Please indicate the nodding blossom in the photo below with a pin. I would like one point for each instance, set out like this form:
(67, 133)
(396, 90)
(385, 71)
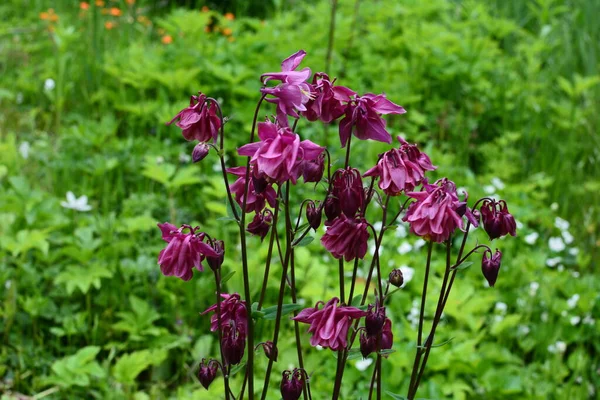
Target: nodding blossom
(292, 383)
(401, 169)
(497, 221)
(490, 265)
(185, 251)
(258, 194)
(329, 325)
(327, 102)
(207, 372)
(261, 223)
(346, 238)
(199, 121)
(347, 189)
(233, 311)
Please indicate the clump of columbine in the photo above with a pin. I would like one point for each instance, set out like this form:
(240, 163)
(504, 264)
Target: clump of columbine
(262, 203)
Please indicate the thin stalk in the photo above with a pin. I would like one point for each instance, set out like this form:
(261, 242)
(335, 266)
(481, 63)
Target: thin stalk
(331, 35)
(225, 375)
(263, 289)
(353, 283)
(306, 387)
(341, 278)
(378, 376)
(347, 162)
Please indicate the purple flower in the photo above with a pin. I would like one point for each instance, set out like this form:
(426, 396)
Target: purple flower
(312, 170)
(233, 312)
(374, 319)
(346, 238)
(313, 215)
(327, 102)
(497, 221)
(329, 325)
(348, 190)
(199, 121)
(200, 152)
(387, 337)
(270, 350)
(256, 198)
(233, 343)
(293, 92)
(490, 266)
(184, 251)
(292, 383)
(401, 169)
(333, 209)
(207, 372)
(396, 277)
(368, 343)
(261, 223)
(363, 118)
(219, 248)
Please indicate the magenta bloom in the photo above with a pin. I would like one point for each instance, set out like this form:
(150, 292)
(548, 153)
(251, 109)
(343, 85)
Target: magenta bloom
(327, 102)
(233, 312)
(490, 266)
(401, 169)
(363, 118)
(329, 326)
(207, 372)
(184, 251)
(346, 238)
(387, 337)
(233, 343)
(348, 190)
(280, 152)
(256, 198)
(199, 121)
(497, 221)
(293, 92)
(437, 212)
(261, 223)
(292, 383)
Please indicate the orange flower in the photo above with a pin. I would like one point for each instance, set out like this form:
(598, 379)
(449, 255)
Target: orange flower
(230, 16)
(99, 3)
(131, 2)
(115, 12)
(167, 39)
(205, 9)
(227, 31)
(84, 6)
(44, 15)
(109, 25)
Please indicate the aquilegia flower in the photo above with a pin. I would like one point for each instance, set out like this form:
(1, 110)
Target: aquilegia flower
(348, 190)
(184, 251)
(256, 198)
(490, 265)
(497, 221)
(293, 92)
(329, 325)
(292, 383)
(233, 312)
(199, 121)
(346, 237)
(207, 372)
(401, 169)
(363, 118)
(280, 152)
(327, 102)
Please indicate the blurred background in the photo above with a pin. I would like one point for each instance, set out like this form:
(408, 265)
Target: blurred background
(503, 96)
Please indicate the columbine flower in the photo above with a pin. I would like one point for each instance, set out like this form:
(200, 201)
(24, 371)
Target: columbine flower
(347, 189)
(292, 383)
(313, 215)
(199, 121)
(346, 238)
(233, 312)
(374, 319)
(312, 170)
(233, 343)
(327, 102)
(261, 223)
(207, 372)
(77, 204)
(490, 266)
(363, 118)
(280, 152)
(293, 92)
(184, 251)
(200, 152)
(329, 325)
(497, 221)
(256, 198)
(401, 169)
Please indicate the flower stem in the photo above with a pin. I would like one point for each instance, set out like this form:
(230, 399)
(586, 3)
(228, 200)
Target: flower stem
(331, 36)
(224, 367)
(263, 289)
(341, 278)
(306, 387)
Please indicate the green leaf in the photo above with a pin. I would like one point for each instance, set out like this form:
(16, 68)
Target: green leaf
(76, 370)
(83, 278)
(305, 241)
(161, 173)
(462, 266)
(395, 396)
(356, 300)
(186, 176)
(270, 313)
(227, 277)
(129, 366)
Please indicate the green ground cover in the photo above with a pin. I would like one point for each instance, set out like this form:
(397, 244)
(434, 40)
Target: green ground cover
(503, 95)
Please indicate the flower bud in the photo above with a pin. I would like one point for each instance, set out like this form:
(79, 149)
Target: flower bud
(490, 266)
(312, 170)
(396, 278)
(216, 262)
(497, 221)
(291, 384)
(233, 343)
(200, 152)
(347, 187)
(207, 372)
(368, 344)
(261, 223)
(270, 350)
(332, 208)
(313, 215)
(374, 319)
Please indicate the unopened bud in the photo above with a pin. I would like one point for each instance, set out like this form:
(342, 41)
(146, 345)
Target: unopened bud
(313, 215)
(216, 262)
(396, 278)
(291, 384)
(207, 372)
(200, 152)
(490, 266)
(368, 344)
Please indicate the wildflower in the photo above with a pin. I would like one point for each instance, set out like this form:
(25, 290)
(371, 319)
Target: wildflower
(199, 121)
(561, 224)
(363, 118)
(292, 383)
(200, 152)
(531, 238)
(363, 364)
(130, 2)
(261, 223)
(233, 343)
(167, 39)
(490, 265)
(227, 31)
(327, 102)
(280, 152)
(346, 238)
(256, 198)
(205, 9)
(567, 237)
(109, 25)
(368, 343)
(387, 337)
(293, 92)
(24, 149)
(77, 204)
(233, 312)
(49, 85)
(553, 262)
(329, 325)
(332, 209)
(374, 319)
(99, 3)
(115, 12)
(556, 244)
(229, 16)
(313, 215)
(396, 278)
(84, 5)
(219, 248)
(348, 190)
(573, 300)
(312, 170)
(207, 372)
(401, 169)
(497, 221)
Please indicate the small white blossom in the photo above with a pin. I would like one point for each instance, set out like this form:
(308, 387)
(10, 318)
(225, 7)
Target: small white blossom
(318, 347)
(575, 320)
(575, 274)
(489, 189)
(561, 346)
(523, 330)
(578, 380)
(419, 243)
(24, 149)
(497, 182)
(588, 320)
(567, 237)
(573, 300)
(554, 206)
(501, 307)
(556, 244)
(78, 204)
(544, 317)
(49, 85)
(553, 262)
(573, 251)
(377, 225)
(401, 231)
(519, 224)
(533, 288)
(363, 364)
(561, 223)
(160, 160)
(404, 248)
(531, 238)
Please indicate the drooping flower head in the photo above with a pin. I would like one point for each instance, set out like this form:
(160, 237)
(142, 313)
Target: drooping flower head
(387, 337)
(257, 197)
(233, 343)
(292, 383)
(346, 238)
(261, 223)
(374, 319)
(313, 214)
(280, 152)
(185, 250)
(363, 118)
(348, 190)
(490, 265)
(312, 170)
(293, 92)
(329, 325)
(199, 121)
(233, 312)
(497, 221)
(207, 372)
(401, 169)
(327, 102)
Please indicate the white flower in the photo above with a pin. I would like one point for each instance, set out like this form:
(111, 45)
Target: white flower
(556, 244)
(575, 274)
(567, 237)
(78, 204)
(558, 347)
(573, 251)
(419, 243)
(404, 248)
(160, 160)
(533, 288)
(407, 273)
(575, 320)
(497, 182)
(561, 224)
(544, 317)
(553, 262)
(19, 98)
(523, 330)
(24, 149)
(519, 224)
(318, 347)
(554, 206)
(489, 189)
(573, 300)
(377, 225)
(501, 307)
(588, 320)
(363, 364)
(401, 231)
(49, 85)
(531, 238)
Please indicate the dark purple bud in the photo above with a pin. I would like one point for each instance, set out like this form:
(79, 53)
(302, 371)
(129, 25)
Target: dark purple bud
(200, 152)
(332, 208)
(368, 344)
(233, 344)
(490, 266)
(216, 262)
(270, 350)
(396, 278)
(291, 384)
(313, 215)
(207, 372)
(312, 170)
(497, 221)
(259, 181)
(261, 223)
(387, 337)
(374, 319)
(347, 187)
